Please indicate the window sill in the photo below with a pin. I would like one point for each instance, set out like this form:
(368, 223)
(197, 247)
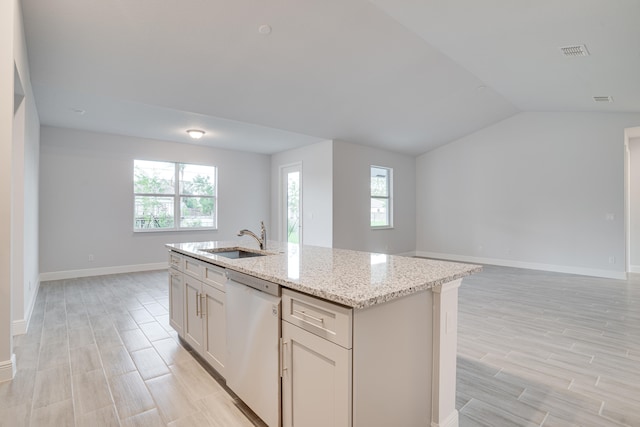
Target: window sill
(383, 227)
(172, 230)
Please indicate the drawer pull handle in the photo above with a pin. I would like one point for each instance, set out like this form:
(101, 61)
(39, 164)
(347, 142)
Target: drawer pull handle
(302, 313)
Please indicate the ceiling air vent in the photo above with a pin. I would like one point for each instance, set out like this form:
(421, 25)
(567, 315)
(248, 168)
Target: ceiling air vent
(577, 50)
(603, 98)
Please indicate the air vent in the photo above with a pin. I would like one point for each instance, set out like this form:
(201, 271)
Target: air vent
(603, 98)
(577, 50)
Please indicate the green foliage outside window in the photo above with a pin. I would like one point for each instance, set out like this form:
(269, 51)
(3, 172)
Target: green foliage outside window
(156, 195)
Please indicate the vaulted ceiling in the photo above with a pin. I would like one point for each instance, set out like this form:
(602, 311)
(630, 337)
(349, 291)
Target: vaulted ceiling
(270, 75)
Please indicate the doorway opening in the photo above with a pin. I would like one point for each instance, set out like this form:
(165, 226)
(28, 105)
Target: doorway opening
(291, 203)
(632, 198)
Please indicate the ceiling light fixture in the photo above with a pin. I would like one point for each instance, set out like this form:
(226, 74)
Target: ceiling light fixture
(264, 29)
(195, 133)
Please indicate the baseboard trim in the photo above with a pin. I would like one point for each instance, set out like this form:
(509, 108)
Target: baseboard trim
(19, 327)
(528, 265)
(73, 274)
(8, 369)
(451, 421)
(412, 253)
(634, 269)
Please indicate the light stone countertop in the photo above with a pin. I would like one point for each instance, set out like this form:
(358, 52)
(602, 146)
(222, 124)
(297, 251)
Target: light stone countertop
(352, 278)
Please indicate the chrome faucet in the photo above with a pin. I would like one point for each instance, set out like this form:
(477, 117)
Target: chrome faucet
(262, 240)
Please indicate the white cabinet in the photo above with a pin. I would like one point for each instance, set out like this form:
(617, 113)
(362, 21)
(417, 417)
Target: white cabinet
(193, 319)
(176, 298)
(200, 301)
(215, 334)
(176, 292)
(316, 370)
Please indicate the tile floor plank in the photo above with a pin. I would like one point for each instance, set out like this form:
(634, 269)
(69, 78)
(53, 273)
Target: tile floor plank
(171, 397)
(130, 395)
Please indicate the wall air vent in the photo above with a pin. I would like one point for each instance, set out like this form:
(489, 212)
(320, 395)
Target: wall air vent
(603, 98)
(577, 50)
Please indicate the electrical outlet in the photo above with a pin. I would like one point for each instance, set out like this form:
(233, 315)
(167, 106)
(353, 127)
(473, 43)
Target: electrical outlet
(612, 260)
(91, 258)
(609, 217)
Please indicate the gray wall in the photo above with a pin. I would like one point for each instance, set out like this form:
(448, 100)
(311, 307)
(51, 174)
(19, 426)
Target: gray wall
(86, 200)
(317, 198)
(352, 202)
(532, 191)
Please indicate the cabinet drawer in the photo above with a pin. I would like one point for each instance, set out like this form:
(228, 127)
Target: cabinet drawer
(175, 260)
(192, 267)
(325, 319)
(214, 276)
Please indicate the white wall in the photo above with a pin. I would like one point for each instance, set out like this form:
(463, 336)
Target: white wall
(86, 200)
(352, 202)
(7, 23)
(26, 140)
(19, 141)
(532, 191)
(317, 182)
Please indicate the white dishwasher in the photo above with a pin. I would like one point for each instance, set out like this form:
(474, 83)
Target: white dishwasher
(253, 344)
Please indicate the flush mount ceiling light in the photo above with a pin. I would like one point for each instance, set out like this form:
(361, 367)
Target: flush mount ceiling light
(195, 133)
(577, 50)
(265, 29)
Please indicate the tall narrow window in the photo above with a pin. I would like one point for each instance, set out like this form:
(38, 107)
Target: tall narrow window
(291, 216)
(381, 201)
(173, 196)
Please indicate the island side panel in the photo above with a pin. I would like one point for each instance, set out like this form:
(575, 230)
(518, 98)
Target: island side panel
(445, 346)
(393, 362)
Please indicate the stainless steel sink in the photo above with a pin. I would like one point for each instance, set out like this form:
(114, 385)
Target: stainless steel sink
(235, 253)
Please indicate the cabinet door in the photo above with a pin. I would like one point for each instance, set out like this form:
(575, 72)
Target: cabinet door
(316, 380)
(215, 343)
(176, 301)
(193, 330)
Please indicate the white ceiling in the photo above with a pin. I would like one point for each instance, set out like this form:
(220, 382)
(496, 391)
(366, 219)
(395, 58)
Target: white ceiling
(406, 75)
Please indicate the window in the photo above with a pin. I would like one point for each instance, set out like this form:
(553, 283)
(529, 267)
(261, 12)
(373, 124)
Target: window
(164, 191)
(381, 203)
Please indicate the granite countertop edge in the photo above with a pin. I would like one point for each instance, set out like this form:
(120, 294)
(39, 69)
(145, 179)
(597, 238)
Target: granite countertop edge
(360, 296)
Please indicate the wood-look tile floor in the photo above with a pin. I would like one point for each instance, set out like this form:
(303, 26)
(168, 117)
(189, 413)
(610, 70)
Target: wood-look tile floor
(534, 349)
(100, 352)
(547, 349)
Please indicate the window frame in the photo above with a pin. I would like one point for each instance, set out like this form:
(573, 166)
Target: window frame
(388, 197)
(177, 199)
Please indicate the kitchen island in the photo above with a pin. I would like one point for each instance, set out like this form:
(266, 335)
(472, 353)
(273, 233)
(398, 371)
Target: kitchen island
(366, 339)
